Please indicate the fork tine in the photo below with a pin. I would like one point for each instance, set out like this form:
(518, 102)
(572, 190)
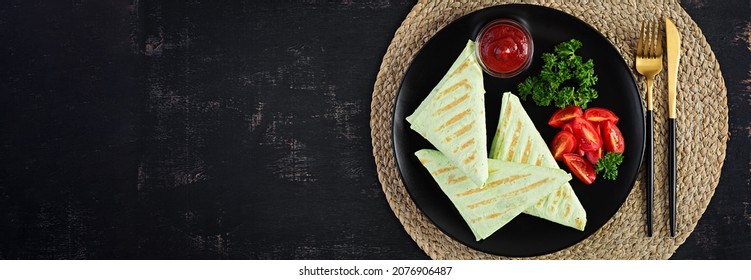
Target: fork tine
(658, 42)
(640, 44)
(655, 38)
(650, 41)
(650, 34)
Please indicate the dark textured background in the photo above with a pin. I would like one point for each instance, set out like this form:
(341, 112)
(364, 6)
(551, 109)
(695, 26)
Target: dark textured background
(240, 130)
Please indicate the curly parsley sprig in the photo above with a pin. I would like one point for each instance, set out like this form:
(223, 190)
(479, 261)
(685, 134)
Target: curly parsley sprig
(559, 67)
(608, 165)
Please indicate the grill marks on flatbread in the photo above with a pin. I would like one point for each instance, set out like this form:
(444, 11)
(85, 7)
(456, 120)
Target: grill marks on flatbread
(463, 130)
(455, 119)
(510, 188)
(490, 185)
(453, 104)
(514, 141)
(458, 85)
(466, 145)
(455, 179)
(518, 140)
(452, 116)
(442, 170)
(526, 151)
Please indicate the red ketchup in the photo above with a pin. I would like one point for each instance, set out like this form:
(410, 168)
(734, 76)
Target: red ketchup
(504, 47)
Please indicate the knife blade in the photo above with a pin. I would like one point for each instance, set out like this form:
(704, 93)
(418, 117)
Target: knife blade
(674, 56)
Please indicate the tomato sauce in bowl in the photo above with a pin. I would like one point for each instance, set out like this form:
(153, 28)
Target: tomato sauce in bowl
(504, 48)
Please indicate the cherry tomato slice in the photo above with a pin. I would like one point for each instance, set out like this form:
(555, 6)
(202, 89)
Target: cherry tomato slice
(598, 115)
(568, 127)
(580, 168)
(593, 157)
(587, 135)
(612, 138)
(564, 115)
(563, 143)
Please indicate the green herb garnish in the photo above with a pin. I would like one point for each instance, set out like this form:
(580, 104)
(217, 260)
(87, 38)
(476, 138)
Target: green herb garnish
(608, 165)
(552, 84)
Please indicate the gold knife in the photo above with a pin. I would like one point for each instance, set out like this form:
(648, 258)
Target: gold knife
(674, 56)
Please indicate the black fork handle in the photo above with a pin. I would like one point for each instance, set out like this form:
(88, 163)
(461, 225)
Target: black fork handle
(649, 152)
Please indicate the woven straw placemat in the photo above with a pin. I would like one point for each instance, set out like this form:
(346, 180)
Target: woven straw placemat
(702, 129)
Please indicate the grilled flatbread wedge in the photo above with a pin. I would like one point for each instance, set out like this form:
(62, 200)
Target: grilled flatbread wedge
(511, 188)
(518, 140)
(452, 117)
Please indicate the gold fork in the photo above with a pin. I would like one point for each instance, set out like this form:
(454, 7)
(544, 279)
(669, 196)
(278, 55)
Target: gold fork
(649, 64)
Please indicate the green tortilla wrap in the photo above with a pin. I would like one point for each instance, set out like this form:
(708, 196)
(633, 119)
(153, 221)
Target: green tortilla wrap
(517, 140)
(452, 116)
(510, 188)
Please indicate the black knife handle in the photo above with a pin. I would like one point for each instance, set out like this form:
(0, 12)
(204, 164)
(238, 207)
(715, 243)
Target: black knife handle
(671, 174)
(650, 167)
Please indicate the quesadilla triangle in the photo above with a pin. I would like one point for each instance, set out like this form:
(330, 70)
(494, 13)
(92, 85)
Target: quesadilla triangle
(511, 187)
(517, 140)
(452, 117)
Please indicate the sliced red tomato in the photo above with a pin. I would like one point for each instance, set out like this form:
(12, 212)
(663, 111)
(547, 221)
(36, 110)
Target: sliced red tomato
(593, 157)
(564, 115)
(568, 127)
(580, 168)
(598, 115)
(563, 143)
(587, 135)
(612, 138)
(580, 152)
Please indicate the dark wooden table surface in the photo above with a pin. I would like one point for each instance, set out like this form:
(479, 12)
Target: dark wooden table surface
(212, 130)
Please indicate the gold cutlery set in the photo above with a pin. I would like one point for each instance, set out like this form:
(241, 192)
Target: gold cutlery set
(649, 64)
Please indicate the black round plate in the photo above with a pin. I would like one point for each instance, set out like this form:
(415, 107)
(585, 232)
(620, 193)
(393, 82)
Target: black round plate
(525, 235)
